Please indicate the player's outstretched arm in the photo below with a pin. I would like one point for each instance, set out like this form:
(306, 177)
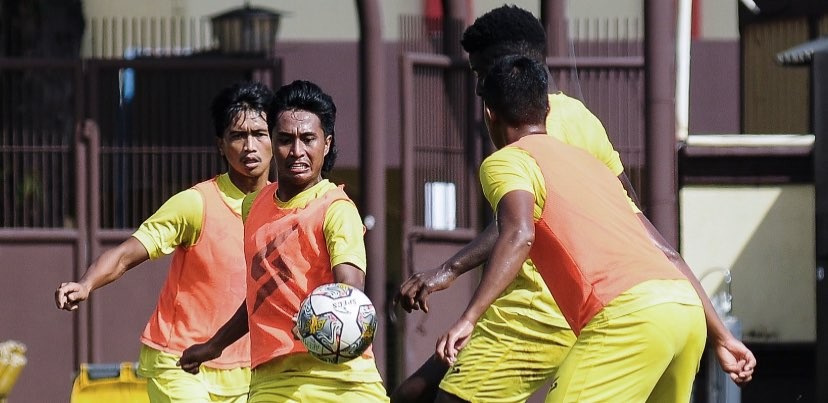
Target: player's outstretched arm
(734, 357)
(110, 266)
(349, 274)
(515, 239)
(414, 292)
(192, 358)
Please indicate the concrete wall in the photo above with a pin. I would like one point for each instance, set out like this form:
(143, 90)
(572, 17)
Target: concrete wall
(765, 236)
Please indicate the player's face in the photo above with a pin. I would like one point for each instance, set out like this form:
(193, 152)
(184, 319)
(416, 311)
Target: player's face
(246, 145)
(300, 148)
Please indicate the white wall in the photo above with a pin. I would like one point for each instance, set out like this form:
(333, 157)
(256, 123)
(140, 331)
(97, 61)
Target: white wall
(336, 20)
(306, 20)
(765, 236)
(719, 19)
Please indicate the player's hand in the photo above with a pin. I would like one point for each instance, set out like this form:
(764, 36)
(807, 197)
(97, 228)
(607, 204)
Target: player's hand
(69, 295)
(414, 292)
(449, 344)
(735, 359)
(192, 358)
(295, 328)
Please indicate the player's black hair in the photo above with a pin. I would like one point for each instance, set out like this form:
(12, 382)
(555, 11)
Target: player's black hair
(307, 96)
(240, 97)
(506, 30)
(515, 90)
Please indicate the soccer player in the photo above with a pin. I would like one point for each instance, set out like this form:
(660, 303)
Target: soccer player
(202, 228)
(534, 348)
(639, 323)
(300, 232)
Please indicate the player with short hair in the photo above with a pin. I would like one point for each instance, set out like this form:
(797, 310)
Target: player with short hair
(639, 322)
(533, 347)
(299, 233)
(202, 228)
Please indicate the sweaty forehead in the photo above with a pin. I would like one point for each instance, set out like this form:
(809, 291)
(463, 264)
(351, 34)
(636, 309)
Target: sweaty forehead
(293, 119)
(248, 117)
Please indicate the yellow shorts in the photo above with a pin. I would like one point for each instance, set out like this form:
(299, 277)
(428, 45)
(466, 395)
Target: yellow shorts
(650, 355)
(300, 378)
(507, 360)
(166, 382)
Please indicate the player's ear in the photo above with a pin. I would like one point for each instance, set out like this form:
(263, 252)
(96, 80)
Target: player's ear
(220, 145)
(489, 114)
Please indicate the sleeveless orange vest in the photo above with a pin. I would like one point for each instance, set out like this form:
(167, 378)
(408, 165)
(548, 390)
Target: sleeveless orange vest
(287, 258)
(589, 246)
(204, 287)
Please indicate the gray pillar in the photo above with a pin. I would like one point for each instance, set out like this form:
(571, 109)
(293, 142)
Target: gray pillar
(660, 71)
(553, 18)
(373, 162)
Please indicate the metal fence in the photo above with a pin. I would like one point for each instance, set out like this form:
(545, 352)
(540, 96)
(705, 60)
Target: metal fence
(441, 120)
(37, 120)
(128, 37)
(152, 119)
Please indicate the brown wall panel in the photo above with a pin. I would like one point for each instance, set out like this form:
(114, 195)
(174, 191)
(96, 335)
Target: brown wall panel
(714, 87)
(422, 330)
(30, 274)
(775, 97)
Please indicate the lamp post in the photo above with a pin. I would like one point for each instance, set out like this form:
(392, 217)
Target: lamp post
(246, 30)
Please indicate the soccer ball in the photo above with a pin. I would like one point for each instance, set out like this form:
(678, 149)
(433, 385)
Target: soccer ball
(336, 323)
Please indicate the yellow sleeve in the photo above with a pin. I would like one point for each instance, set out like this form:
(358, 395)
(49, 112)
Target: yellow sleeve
(511, 169)
(344, 234)
(176, 223)
(247, 203)
(581, 128)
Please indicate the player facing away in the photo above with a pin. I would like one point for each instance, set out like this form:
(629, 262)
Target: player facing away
(202, 228)
(639, 324)
(535, 347)
(300, 232)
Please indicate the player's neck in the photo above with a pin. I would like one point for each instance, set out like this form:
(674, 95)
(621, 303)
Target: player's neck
(519, 132)
(248, 184)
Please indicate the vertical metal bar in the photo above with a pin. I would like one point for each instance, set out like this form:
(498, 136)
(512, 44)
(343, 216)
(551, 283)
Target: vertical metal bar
(92, 135)
(407, 99)
(820, 103)
(372, 101)
(661, 158)
(553, 17)
(5, 112)
(81, 321)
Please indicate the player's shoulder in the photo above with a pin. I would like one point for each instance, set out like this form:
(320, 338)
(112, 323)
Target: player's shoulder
(506, 158)
(563, 102)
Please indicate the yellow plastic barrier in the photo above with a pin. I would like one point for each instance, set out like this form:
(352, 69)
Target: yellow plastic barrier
(12, 361)
(109, 383)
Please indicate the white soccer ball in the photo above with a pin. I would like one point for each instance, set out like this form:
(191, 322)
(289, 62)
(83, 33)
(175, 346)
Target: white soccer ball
(336, 322)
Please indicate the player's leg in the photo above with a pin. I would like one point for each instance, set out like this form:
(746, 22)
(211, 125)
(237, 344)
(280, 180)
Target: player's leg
(226, 385)
(622, 358)
(166, 382)
(302, 378)
(445, 397)
(506, 360)
(676, 383)
(616, 359)
(308, 388)
(172, 387)
(423, 384)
